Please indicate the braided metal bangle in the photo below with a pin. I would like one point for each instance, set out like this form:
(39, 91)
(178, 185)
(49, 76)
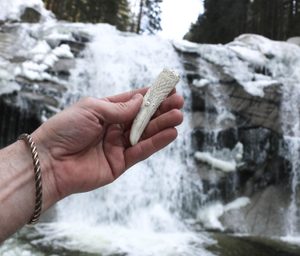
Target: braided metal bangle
(37, 177)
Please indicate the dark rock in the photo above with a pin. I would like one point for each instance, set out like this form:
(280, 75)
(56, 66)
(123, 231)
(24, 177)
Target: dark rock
(262, 164)
(228, 245)
(249, 111)
(23, 111)
(254, 111)
(198, 139)
(228, 138)
(260, 145)
(76, 47)
(225, 113)
(82, 37)
(15, 120)
(198, 99)
(191, 64)
(64, 65)
(30, 15)
(263, 216)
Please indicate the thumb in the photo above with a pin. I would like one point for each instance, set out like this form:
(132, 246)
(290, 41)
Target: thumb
(121, 112)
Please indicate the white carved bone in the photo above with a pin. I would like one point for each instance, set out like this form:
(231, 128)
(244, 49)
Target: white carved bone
(157, 93)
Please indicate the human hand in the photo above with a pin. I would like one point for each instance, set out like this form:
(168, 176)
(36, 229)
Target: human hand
(87, 145)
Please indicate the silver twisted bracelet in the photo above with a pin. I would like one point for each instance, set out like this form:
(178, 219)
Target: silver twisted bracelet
(37, 177)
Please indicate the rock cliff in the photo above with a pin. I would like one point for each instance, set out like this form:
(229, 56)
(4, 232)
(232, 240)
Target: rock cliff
(239, 95)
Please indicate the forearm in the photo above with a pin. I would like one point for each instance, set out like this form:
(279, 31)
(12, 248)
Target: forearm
(17, 187)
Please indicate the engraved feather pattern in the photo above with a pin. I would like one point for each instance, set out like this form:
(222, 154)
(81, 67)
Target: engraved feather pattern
(158, 92)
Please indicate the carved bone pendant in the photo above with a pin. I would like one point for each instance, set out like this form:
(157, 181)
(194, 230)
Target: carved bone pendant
(157, 93)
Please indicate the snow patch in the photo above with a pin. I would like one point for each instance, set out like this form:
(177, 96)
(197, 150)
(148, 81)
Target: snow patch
(42, 58)
(201, 82)
(254, 57)
(224, 160)
(294, 40)
(185, 46)
(256, 88)
(237, 204)
(209, 215)
(8, 88)
(225, 166)
(63, 51)
(253, 61)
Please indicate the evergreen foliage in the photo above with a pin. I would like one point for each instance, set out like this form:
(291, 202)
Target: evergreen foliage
(115, 12)
(223, 20)
(149, 17)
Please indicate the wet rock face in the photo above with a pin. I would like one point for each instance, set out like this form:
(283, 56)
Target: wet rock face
(228, 245)
(254, 111)
(231, 105)
(248, 110)
(15, 120)
(264, 216)
(34, 74)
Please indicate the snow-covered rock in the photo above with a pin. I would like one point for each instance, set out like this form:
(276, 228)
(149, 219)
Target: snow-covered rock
(34, 74)
(210, 214)
(246, 91)
(294, 40)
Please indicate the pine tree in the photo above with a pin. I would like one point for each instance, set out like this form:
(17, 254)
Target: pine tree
(223, 20)
(115, 12)
(294, 26)
(149, 20)
(123, 16)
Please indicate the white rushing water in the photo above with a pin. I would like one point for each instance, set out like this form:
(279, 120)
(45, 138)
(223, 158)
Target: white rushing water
(141, 213)
(284, 64)
(291, 121)
(283, 61)
(279, 63)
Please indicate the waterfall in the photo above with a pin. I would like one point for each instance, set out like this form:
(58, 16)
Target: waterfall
(291, 122)
(143, 212)
(153, 208)
(285, 68)
(146, 211)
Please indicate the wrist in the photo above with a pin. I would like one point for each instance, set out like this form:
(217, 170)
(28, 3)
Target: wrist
(50, 193)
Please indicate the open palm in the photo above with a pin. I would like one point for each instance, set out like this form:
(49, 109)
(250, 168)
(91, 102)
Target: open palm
(88, 143)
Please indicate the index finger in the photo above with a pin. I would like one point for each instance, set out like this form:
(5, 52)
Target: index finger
(123, 97)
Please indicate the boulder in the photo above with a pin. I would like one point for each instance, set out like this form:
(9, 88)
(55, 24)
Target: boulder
(264, 216)
(30, 15)
(29, 93)
(229, 245)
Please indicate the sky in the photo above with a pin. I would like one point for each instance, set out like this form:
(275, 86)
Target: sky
(177, 16)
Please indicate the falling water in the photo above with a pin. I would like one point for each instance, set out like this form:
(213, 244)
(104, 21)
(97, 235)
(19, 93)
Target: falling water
(217, 116)
(145, 211)
(142, 213)
(291, 122)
